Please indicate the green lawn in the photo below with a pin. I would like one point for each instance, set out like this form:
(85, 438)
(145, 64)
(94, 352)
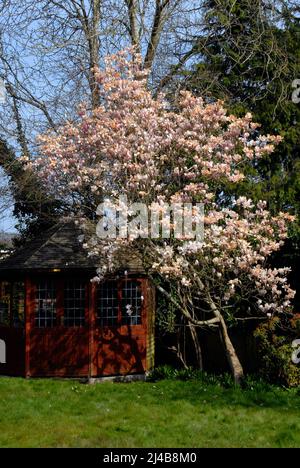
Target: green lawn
(169, 413)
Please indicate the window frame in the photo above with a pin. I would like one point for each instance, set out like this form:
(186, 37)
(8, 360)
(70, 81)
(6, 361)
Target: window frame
(36, 315)
(59, 283)
(103, 321)
(85, 300)
(91, 301)
(138, 316)
(11, 323)
(120, 322)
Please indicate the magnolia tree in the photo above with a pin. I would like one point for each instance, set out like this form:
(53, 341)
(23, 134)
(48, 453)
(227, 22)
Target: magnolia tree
(182, 155)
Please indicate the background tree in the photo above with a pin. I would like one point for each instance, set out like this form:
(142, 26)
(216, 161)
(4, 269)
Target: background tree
(32, 203)
(49, 50)
(250, 59)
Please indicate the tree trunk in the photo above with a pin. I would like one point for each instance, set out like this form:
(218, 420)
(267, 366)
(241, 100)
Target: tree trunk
(94, 46)
(132, 6)
(232, 357)
(197, 346)
(157, 26)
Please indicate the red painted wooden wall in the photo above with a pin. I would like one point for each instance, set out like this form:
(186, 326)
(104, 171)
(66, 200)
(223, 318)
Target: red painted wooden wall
(90, 350)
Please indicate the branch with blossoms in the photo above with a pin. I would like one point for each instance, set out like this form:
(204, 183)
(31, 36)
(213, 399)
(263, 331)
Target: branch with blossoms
(149, 152)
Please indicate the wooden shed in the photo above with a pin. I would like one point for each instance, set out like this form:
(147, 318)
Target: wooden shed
(55, 322)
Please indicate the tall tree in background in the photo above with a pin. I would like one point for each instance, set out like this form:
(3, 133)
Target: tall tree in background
(32, 203)
(49, 51)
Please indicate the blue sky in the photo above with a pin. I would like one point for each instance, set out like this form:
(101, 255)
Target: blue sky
(7, 222)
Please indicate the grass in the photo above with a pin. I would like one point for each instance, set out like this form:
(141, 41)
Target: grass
(167, 413)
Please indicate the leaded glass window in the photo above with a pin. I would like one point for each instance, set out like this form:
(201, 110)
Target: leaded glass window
(18, 304)
(45, 304)
(131, 302)
(5, 301)
(119, 302)
(107, 303)
(74, 303)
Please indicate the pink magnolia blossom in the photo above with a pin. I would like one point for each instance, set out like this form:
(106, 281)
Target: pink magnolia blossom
(142, 147)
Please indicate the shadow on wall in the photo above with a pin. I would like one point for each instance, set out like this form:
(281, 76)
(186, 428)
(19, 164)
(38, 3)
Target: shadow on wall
(65, 353)
(120, 350)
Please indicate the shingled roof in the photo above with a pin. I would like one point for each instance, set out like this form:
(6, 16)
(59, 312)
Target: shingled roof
(57, 247)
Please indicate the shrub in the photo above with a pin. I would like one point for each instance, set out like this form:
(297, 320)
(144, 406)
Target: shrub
(274, 340)
(170, 373)
(254, 383)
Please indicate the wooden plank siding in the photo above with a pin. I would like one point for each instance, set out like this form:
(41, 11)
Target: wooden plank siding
(150, 339)
(60, 350)
(54, 351)
(122, 349)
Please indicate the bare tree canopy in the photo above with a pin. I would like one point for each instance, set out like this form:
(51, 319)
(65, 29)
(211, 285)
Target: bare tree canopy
(49, 49)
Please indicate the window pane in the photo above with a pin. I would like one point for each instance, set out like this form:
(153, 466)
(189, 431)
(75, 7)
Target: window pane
(107, 303)
(18, 304)
(5, 297)
(74, 304)
(131, 302)
(45, 304)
